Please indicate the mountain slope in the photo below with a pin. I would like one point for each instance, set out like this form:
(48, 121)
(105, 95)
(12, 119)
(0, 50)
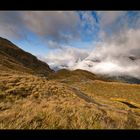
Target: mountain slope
(126, 79)
(15, 58)
(68, 76)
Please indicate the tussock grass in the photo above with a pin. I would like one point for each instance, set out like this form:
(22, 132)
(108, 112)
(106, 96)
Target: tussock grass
(109, 90)
(127, 102)
(31, 102)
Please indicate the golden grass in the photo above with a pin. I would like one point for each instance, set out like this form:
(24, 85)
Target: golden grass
(126, 101)
(32, 102)
(109, 90)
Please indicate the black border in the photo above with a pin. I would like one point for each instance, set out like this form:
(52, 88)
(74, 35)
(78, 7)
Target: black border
(70, 134)
(69, 5)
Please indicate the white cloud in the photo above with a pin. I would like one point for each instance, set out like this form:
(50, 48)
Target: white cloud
(120, 55)
(88, 20)
(53, 45)
(46, 25)
(11, 25)
(108, 17)
(52, 23)
(66, 57)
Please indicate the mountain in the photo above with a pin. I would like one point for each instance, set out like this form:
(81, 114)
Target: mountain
(126, 79)
(14, 58)
(77, 75)
(32, 96)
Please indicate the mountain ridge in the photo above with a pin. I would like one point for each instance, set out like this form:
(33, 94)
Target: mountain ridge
(16, 56)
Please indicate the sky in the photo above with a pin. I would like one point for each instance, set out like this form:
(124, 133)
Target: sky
(102, 42)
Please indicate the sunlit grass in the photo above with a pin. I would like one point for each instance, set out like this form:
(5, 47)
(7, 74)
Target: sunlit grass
(32, 102)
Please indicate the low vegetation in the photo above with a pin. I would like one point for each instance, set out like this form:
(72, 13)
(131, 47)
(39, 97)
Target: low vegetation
(31, 102)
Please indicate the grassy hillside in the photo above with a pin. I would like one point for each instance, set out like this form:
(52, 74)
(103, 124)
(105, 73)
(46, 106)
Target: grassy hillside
(63, 99)
(32, 102)
(78, 75)
(14, 58)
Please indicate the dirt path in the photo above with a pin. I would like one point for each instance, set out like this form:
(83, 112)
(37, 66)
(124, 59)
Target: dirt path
(102, 106)
(84, 96)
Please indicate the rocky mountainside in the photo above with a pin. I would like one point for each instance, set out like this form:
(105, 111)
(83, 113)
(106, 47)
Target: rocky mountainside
(14, 58)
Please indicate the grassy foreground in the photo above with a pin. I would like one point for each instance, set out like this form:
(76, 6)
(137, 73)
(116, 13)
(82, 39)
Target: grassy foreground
(31, 102)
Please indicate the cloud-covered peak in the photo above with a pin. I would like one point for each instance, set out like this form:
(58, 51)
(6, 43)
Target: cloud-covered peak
(115, 57)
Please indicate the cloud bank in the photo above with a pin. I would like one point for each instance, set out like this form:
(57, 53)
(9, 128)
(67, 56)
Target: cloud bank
(44, 25)
(118, 56)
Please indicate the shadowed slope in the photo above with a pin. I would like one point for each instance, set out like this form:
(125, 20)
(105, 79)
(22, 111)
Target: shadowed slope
(15, 58)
